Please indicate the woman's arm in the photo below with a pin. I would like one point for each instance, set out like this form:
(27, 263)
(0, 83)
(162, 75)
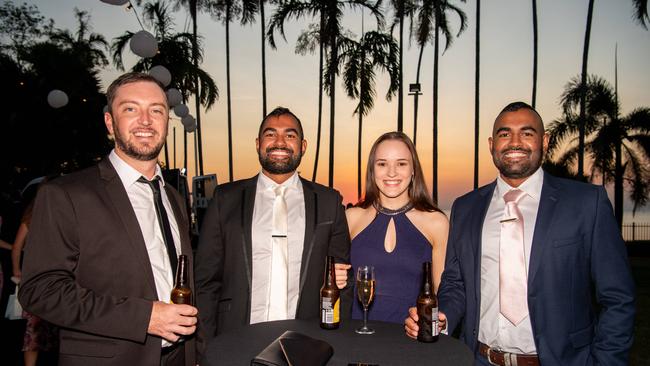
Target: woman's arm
(17, 249)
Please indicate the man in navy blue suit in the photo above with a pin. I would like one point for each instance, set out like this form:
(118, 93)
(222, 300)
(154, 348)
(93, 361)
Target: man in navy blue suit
(577, 292)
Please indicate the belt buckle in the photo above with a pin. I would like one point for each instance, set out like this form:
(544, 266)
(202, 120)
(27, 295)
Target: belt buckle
(489, 357)
(509, 359)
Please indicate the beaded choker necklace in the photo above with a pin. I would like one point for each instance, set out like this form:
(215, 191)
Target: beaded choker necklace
(389, 212)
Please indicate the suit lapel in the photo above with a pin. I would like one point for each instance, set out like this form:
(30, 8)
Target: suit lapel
(311, 218)
(181, 221)
(124, 212)
(547, 203)
(246, 219)
(476, 228)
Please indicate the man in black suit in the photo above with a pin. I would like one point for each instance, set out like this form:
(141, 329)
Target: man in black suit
(99, 259)
(236, 263)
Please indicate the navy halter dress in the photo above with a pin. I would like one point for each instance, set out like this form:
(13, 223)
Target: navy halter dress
(398, 274)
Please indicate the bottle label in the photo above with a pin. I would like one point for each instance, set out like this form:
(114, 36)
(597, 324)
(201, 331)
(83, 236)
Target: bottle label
(330, 312)
(434, 322)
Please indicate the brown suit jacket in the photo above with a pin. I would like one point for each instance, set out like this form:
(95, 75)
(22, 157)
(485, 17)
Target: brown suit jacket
(86, 270)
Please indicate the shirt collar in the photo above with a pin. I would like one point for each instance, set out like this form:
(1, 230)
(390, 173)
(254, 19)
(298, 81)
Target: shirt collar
(128, 175)
(264, 182)
(532, 185)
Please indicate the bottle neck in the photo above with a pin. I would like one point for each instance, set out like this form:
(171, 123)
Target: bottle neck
(330, 273)
(181, 272)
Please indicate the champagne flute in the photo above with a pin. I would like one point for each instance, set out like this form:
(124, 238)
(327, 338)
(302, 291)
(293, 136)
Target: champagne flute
(366, 293)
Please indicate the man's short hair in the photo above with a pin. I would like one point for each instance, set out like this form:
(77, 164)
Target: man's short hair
(515, 106)
(128, 78)
(281, 111)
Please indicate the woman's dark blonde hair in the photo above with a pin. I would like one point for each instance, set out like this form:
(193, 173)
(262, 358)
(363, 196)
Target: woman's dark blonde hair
(417, 191)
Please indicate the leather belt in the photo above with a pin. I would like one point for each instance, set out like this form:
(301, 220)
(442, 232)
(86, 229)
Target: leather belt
(496, 357)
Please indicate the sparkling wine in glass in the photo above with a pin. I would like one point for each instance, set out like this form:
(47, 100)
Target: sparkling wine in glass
(366, 293)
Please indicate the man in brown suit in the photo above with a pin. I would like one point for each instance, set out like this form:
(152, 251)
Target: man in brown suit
(100, 255)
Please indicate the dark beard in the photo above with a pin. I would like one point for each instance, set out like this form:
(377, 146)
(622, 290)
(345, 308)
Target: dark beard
(277, 167)
(134, 152)
(521, 170)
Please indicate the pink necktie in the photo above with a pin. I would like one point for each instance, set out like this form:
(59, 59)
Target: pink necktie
(512, 263)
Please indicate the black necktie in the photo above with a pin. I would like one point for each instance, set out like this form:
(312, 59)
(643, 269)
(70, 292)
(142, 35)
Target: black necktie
(163, 221)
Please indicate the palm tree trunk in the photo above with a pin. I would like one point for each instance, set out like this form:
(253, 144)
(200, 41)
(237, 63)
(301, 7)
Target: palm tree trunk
(618, 182)
(263, 27)
(197, 101)
(400, 97)
(332, 75)
(359, 156)
(320, 95)
(477, 74)
(415, 98)
(434, 186)
(583, 92)
(534, 97)
(230, 167)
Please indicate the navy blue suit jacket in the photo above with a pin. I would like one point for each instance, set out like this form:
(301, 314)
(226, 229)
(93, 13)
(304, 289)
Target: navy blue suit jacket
(580, 289)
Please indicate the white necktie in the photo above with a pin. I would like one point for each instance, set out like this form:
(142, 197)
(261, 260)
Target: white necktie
(279, 261)
(512, 262)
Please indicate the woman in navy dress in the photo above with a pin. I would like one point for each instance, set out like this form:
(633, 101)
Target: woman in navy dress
(395, 228)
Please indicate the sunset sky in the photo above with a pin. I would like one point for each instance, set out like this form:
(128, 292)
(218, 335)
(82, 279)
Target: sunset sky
(292, 81)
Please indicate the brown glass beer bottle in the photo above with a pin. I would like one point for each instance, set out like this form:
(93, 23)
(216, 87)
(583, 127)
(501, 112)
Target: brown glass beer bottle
(427, 306)
(181, 293)
(330, 300)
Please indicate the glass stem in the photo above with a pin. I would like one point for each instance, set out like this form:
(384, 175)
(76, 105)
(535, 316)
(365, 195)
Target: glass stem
(365, 317)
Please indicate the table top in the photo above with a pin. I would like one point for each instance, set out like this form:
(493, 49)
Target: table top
(388, 346)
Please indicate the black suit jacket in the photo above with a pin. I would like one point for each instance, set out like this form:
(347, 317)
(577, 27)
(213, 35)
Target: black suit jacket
(580, 289)
(86, 269)
(224, 263)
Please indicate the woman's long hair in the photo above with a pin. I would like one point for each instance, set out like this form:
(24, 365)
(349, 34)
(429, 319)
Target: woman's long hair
(417, 190)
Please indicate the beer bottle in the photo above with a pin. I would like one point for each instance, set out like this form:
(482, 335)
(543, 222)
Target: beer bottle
(427, 306)
(330, 301)
(181, 293)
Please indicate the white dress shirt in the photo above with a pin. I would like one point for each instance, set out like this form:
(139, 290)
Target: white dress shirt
(141, 198)
(262, 244)
(494, 329)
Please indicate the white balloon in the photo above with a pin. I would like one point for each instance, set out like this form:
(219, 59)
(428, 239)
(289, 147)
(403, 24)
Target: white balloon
(181, 110)
(115, 2)
(161, 74)
(188, 120)
(57, 98)
(174, 97)
(144, 44)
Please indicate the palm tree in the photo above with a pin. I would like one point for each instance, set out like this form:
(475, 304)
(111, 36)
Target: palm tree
(175, 52)
(331, 13)
(618, 146)
(193, 7)
(432, 21)
(583, 95)
(306, 43)
(402, 9)
(477, 77)
(641, 12)
(227, 11)
(424, 33)
(534, 97)
(374, 50)
(87, 45)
